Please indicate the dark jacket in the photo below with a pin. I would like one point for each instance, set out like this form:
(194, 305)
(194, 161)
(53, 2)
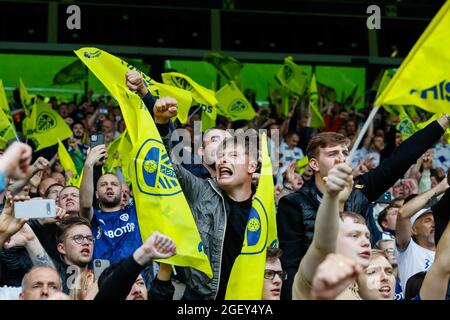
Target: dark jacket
(297, 211)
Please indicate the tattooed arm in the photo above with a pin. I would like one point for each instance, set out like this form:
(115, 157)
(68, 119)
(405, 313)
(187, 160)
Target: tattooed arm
(25, 237)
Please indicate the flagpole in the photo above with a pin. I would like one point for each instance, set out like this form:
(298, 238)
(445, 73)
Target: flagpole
(362, 133)
(195, 111)
(14, 131)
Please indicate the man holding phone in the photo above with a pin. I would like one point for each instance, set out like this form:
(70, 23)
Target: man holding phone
(115, 228)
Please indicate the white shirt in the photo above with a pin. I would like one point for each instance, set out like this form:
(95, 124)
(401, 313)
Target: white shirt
(10, 293)
(362, 154)
(412, 260)
(288, 155)
(441, 156)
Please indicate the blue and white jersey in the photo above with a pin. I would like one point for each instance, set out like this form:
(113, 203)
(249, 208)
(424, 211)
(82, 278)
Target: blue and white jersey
(116, 234)
(412, 260)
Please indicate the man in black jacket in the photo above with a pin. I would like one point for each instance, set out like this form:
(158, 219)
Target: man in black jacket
(297, 211)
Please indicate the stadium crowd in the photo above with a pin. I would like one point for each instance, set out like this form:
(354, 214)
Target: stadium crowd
(374, 228)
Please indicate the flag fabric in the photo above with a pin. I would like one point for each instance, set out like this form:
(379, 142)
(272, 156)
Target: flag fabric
(292, 76)
(302, 164)
(26, 99)
(386, 78)
(233, 104)
(6, 123)
(111, 70)
(204, 97)
(67, 163)
(160, 202)
(246, 280)
(119, 151)
(6, 130)
(406, 126)
(423, 77)
(4, 105)
(199, 93)
(285, 106)
(227, 66)
(316, 118)
(72, 73)
(421, 125)
(412, 112)
(209, 117)
(45, 126)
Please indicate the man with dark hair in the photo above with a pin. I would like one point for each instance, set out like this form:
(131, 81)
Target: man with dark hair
(75, 243)
(297, 211)
(273, 275)
(220, 207)
(115, 228)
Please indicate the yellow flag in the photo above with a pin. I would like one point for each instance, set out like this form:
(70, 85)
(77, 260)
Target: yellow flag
(285, 106)
(6, 123)
(26, 99)
(113, 159)
(44, 126)
(247, 276)
(67, 163)
(4, 103)
(422, 125)
(406, 125)
(317, 119)
(423, 78)
(160, 202)
(302, 164)
(292, 76)
(119, 152)
(233, 104)
(204, 97)
(111, 70)
(199, 93)
(209, 116)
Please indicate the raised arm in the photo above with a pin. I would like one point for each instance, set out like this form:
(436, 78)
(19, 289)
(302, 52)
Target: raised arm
(9, 225)
(333, 276)
(25, 237)
(326, 226)
(380, 179)
(434, 286)
(40, 164)
(119, 283)
(403, 225)
(87, 183)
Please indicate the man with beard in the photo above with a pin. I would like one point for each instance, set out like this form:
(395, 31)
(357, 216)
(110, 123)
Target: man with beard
(115, 228)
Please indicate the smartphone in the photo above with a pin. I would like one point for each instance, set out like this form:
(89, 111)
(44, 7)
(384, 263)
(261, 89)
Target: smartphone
(97, 139)
(35, 209)
(99, 266)
(103, 111)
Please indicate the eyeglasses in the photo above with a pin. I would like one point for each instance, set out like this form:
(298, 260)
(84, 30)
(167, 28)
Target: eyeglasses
(78, 238)
(389, 251)
(270, 274)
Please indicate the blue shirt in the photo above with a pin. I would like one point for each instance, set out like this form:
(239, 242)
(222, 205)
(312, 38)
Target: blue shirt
(116, 234)
(398, 290)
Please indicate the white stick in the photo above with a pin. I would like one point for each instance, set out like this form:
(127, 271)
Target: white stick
(362, 133)
(174, 271)
(15, 133)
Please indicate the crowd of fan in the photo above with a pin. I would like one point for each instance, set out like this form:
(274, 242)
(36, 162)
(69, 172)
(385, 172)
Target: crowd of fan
(375, 228)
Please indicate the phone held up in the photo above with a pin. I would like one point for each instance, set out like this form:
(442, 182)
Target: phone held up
(35, 209)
